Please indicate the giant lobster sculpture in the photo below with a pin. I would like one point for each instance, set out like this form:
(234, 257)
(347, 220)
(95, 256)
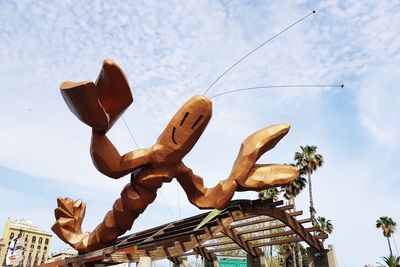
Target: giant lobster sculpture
(100, 104)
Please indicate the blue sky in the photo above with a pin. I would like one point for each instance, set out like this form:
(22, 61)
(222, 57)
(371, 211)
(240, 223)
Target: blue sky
(172, 50)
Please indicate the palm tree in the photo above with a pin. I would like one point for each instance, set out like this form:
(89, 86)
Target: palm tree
(269, 193)
(388, 227)
(286, 255)
(292, 190)
(293, 248)
(308, 160)
(325, 225)
(390, 261)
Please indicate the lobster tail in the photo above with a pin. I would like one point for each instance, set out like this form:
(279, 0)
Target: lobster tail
(69, 216)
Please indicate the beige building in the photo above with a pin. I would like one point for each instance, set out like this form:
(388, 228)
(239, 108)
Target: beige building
(37, 242)
(62, 255)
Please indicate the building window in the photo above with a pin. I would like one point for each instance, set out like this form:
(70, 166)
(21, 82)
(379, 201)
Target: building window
(39, 247)
(32, 246)
(46, 242)
(34, 239)
(11, 236)
(45, 248)
(40, 240)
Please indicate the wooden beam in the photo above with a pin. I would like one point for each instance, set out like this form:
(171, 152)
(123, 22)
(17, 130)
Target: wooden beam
(264, 220)
(224, 249)
(219, 243)
(168, 236)
(279, 234)
(270, 227)
(159, 232)
(145, 233)
(109, 255)
(287, 240)
(203, 252)
(238, 215)
(237, 238)
(293, 224)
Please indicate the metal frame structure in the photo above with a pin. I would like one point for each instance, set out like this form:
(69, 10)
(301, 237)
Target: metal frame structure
(244, 224)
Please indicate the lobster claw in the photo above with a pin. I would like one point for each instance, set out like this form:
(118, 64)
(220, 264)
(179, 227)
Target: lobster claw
(99, 104)
(263, 176)
(251, 176)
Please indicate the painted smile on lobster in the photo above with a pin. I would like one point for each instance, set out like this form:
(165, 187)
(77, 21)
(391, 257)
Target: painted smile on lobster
(100, 104)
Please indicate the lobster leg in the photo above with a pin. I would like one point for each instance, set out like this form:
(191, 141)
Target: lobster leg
(216, 197)
(108, 161)
(135, 198)
(245, 175)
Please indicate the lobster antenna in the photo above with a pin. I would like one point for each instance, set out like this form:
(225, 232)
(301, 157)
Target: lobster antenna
(278, 86)
(258, 47)
(129, 130)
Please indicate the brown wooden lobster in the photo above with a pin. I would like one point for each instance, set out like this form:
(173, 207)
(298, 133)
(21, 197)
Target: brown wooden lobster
(100, 104)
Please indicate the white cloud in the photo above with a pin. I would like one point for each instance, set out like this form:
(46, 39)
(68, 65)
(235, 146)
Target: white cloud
(173, 50)
(173, 57)
(378, 101)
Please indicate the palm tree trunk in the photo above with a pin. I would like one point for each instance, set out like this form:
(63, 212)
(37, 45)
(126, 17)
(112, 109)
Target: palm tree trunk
(312, 210)
(294, 256)
(299, 256)
(294, 204)
(390, 248)
(270, 252)
(270, 248)
(395, 246)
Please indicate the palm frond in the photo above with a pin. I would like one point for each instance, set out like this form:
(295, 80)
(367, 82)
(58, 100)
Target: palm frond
(387, 225)
(325, 225)
(390, 261)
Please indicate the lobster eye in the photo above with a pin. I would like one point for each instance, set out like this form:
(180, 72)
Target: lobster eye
(197, 121)
(184, 118)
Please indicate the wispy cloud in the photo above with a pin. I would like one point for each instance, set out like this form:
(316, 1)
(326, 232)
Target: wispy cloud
(172, 50)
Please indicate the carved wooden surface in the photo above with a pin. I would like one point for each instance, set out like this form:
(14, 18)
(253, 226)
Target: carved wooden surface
(100, 104)
(181, 238)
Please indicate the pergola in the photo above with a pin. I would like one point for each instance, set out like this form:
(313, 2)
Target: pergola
(244, 225)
